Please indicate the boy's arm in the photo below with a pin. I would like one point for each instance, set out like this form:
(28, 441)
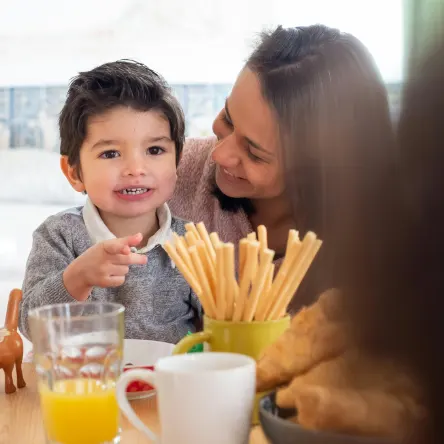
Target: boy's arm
(50, 254)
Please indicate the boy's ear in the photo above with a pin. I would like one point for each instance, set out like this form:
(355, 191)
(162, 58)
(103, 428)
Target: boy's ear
(72, 174)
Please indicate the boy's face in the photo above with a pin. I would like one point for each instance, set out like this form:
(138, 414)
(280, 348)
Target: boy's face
(127, 162)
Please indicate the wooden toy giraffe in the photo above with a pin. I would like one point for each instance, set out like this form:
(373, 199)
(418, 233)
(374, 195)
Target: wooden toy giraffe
(11, 344)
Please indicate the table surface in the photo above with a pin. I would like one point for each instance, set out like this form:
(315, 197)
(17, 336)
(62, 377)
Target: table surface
(21, 419)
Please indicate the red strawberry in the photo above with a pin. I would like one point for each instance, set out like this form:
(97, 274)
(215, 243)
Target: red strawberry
(138, 386)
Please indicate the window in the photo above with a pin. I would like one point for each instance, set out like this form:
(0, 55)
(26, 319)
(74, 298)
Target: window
(199, 46)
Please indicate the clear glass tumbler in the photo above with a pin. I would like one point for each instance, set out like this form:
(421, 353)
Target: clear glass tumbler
(78, 353)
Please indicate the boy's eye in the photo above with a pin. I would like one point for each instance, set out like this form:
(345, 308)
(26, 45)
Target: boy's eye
(110, 154)
(155, 150)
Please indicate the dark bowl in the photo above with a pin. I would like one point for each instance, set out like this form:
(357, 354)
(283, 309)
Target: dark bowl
(279, 430)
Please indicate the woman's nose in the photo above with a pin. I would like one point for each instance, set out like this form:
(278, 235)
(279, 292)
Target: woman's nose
(226, 152)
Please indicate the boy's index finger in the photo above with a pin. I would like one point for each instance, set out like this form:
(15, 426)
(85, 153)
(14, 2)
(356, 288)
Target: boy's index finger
(122, 245)
(134, 240)
(116, 246)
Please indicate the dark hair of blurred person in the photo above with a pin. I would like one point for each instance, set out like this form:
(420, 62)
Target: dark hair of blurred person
(391, 243)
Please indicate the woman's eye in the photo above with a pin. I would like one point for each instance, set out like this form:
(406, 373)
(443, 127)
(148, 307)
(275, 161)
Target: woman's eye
(110, 154)
(156, 150)
(254, 158)
(227, 121)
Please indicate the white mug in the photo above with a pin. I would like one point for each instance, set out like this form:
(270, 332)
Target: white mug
(202, 398)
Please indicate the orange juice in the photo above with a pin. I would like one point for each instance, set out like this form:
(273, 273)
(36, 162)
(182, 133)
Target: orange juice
(80, 411)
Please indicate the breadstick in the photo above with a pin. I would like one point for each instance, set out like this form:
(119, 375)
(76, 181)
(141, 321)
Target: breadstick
(248, 273)
(183, 268)
(191, 238)
(293, 286)
(214, 237)
(242, 256)
(258, 284)
(209, 267)
(235, 290)
(293, 235)
(255, 266)
(293, 247)
(182, 249)
(252, 237)
(210, 261)
(221, 302)
(307, 245)
(262, 235)
(211, 310)
(264, 298)
(270, 277)
(191, 228)
(231, 282)
(206, 238)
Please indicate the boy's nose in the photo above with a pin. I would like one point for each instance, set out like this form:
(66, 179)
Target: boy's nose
(134, 167)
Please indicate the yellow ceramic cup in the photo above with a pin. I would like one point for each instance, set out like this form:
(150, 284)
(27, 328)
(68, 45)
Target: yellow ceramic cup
(247, 338)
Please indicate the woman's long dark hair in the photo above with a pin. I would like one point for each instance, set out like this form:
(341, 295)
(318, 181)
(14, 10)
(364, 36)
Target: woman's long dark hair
(333, 115)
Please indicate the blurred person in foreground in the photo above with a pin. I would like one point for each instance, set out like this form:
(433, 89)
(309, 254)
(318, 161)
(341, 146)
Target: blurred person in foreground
(397, 295)
(384, 376)
(393, 270)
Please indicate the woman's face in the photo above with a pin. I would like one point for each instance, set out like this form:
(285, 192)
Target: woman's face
(247, 153)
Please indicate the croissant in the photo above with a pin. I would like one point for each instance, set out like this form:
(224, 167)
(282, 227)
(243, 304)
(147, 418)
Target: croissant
(371, 412)
(315, 334)
(355, 394)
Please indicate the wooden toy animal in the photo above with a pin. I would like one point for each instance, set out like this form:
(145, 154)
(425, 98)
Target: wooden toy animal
(11, 344)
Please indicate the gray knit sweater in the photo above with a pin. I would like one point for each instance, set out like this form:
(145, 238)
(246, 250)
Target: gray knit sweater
(159, 304)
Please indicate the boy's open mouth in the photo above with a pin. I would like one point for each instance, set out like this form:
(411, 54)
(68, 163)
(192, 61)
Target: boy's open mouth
(134, 190)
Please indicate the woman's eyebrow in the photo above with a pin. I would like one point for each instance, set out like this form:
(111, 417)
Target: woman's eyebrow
(251, 142)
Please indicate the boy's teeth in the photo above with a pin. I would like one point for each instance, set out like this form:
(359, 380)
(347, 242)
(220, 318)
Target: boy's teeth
(134, 190)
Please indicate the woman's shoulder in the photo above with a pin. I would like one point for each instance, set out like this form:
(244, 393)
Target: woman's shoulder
(193, 175)
(195, 161)
(196, 152)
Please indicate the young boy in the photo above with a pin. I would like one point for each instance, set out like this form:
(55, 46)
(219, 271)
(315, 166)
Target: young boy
(122, 133)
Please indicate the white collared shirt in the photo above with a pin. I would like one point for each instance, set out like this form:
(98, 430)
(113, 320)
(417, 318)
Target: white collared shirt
(99, 232)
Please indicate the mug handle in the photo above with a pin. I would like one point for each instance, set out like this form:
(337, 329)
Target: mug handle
(188, 342)
(148, 376)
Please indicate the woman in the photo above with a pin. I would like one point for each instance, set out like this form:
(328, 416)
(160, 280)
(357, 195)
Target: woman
(282, 106)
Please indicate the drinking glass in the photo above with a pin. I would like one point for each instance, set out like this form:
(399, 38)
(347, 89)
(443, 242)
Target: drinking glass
(78, 352)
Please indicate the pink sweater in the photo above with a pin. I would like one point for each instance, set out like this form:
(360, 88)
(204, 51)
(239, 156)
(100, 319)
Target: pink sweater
(193, 199)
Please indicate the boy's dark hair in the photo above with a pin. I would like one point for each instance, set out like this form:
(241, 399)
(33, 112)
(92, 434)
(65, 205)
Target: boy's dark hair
(120, 83)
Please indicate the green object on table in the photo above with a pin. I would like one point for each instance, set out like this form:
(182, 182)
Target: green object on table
(198, 348)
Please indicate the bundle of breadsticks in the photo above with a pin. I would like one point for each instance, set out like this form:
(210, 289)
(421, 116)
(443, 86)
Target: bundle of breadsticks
(254, 293)
(332, 385)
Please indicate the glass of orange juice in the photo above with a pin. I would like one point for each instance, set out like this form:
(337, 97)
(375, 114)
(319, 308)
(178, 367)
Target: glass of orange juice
(78, 352)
